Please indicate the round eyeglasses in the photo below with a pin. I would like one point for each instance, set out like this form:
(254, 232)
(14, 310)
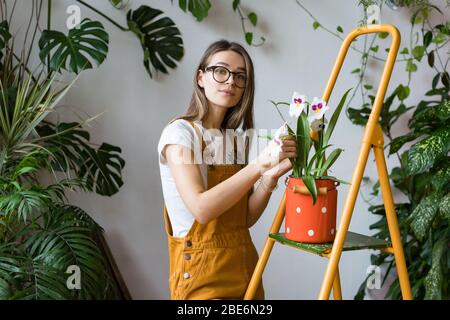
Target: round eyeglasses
(222, 74)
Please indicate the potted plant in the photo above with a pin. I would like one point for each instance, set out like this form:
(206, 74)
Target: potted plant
(311, 195)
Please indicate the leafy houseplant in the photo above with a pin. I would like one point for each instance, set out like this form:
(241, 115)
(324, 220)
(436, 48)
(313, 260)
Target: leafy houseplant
(311, 194)
(42, 236)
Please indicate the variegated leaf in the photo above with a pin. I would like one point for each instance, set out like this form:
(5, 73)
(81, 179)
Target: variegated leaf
(443, 111)
(444, 207)
(433, 280)
(442, 176)
(423, 154)
(423, 215)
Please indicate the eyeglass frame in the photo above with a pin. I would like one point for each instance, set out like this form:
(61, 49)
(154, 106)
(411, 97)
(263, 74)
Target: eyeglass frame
(213, 68)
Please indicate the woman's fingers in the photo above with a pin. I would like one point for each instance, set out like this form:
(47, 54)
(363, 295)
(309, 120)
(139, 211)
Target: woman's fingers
(289, 147)
(285, 155)
(288, 142)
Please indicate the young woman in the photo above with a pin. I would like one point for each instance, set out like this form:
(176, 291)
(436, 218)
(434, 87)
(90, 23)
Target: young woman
(210, 206)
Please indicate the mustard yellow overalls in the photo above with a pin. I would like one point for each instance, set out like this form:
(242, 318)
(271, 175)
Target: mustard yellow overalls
(217, 259)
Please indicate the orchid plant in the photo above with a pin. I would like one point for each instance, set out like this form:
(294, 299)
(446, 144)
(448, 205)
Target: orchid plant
(312, 131)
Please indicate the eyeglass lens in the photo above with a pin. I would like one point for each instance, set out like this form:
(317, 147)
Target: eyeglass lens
(222, 74)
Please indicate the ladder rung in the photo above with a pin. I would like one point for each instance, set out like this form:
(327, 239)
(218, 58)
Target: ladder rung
(353, 241)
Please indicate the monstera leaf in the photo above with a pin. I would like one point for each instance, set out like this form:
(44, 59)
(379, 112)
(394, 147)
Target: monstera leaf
(73, 52)
(160, 38)
(198, 8)
(101, 169)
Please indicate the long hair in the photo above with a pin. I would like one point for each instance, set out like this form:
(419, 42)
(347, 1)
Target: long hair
(243, 111)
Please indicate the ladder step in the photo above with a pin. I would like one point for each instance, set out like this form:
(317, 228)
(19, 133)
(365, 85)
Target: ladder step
(353, 241)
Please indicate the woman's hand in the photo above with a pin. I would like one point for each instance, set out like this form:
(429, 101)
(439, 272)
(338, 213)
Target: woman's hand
(276, 172)
(275, 164)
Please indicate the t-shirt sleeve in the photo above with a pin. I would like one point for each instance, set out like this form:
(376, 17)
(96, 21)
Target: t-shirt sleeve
(178, 132)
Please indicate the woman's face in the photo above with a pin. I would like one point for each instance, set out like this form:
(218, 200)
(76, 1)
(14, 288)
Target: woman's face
(218, 89)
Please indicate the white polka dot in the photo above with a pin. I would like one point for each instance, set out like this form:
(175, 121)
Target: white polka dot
(288, 230)
(332, 231)
(324, 209)
(298, 210)
(310, 232)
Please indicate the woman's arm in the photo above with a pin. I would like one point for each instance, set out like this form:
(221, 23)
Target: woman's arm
(207, 205)
(258, 200)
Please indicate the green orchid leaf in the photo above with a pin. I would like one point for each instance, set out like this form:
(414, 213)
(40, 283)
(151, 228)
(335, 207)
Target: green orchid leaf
(303, 140)
(334, 118)
(88, 41)
(311, 185)
(159, 37)
(330, 161)
(335, 179)
(318, 154)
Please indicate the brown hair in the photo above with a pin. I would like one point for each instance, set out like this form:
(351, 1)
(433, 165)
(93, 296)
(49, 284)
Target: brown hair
(243, 111)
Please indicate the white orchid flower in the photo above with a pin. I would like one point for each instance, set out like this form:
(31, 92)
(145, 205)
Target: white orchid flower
(317, 109)
(297, 105)
(275, 143)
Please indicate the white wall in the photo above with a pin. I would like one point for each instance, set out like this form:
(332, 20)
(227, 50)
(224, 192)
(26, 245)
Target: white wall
(295, 57)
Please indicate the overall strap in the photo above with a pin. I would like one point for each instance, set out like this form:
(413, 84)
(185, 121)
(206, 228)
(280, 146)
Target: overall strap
(247, 146)
(247, 143)
(168, 225)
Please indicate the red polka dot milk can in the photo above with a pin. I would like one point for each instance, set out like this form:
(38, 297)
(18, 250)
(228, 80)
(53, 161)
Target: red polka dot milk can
(308, 222)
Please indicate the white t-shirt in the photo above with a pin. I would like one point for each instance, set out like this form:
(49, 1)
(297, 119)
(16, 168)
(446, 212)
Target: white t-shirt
(182, 133)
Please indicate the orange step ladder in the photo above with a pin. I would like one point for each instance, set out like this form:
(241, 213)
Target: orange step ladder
(345, 240)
